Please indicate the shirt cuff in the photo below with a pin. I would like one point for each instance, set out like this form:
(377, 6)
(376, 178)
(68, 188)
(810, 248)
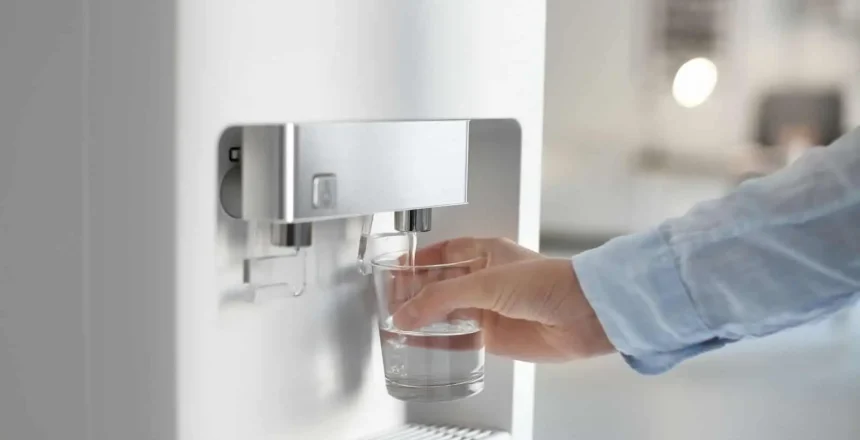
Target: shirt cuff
(635, 288)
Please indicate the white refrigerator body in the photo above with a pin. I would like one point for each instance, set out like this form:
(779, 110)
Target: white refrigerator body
(112, 324)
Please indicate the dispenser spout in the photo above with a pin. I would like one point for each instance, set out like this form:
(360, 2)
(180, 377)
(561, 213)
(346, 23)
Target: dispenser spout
(413, 220)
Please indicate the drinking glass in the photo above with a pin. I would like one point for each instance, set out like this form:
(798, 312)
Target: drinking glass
(438, 362)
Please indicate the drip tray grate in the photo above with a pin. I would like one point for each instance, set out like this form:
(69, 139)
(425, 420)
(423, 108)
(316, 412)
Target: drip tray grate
(428, 432)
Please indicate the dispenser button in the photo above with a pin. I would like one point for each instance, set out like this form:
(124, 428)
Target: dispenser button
(324, 191)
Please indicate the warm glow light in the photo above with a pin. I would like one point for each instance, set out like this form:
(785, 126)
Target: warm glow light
(694, 83)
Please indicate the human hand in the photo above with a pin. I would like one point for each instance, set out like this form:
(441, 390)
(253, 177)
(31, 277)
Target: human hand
(530, 307)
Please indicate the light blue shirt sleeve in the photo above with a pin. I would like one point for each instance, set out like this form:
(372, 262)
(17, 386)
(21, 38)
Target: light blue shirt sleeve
(777, 252)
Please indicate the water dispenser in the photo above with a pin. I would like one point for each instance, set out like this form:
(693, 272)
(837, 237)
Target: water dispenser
(284, 177)
(214, 163)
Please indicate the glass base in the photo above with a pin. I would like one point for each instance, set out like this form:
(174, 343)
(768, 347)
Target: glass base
(435, 393)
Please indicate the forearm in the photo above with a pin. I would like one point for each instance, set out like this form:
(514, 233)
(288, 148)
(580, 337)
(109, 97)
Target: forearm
(777, 252)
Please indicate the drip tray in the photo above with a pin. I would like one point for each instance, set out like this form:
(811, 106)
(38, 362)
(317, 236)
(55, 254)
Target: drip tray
(428, 432)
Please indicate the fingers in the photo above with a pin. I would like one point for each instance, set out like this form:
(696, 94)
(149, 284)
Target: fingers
(433, 293)
(450, 251)
(436, 301)
(403, 284)
(432, 254)
(498, 250)
(534, 290)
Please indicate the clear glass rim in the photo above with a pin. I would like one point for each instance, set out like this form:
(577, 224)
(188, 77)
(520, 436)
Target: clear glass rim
(376, 262)
(386, 234)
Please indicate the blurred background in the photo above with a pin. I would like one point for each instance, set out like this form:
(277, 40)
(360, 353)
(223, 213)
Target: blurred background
(651, 107)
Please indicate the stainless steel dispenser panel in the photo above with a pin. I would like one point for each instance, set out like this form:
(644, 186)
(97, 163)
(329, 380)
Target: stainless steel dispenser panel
(302, 172)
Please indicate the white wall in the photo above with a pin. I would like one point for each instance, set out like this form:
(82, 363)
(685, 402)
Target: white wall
(42, 212)
(591, 114)
(796, 385)
(598, 111)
